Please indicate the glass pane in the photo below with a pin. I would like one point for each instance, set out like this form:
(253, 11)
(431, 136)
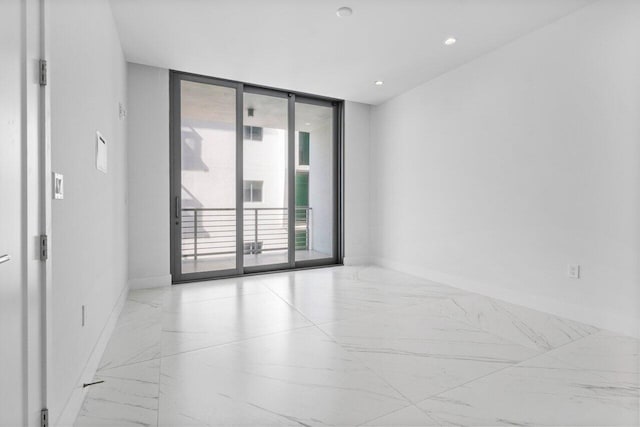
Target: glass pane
(315, 188)
(266, 232)
(208, 177)
(303, 148)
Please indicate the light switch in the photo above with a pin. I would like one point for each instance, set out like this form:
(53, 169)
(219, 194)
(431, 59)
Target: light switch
(101, 153)
(58, 186)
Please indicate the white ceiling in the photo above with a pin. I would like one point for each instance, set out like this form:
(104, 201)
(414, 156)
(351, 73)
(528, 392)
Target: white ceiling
(303, 46)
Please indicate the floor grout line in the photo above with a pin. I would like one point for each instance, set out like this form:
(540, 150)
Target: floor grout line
(332, 339)
(545, 353)
(385, 414)
(423, 300)
(465, 321)
(515, 365)
(208, 347)
(267, 288)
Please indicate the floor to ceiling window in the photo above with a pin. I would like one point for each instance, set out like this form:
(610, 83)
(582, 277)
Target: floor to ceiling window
(255, 179)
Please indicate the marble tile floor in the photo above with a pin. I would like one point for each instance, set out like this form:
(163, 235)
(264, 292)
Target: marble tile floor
(351, 346)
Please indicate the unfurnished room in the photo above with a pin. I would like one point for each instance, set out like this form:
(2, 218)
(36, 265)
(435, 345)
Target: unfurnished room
(319, 213)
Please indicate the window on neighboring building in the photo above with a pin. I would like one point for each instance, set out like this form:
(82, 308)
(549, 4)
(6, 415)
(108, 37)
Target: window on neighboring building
(253, 133)
(303, 149)
(252, 191)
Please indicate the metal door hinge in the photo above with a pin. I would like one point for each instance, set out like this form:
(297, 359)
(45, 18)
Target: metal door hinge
(43, 72)
(44, 248)
(44, 418)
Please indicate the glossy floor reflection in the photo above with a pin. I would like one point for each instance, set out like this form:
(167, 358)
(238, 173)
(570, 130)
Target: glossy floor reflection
(350, 346)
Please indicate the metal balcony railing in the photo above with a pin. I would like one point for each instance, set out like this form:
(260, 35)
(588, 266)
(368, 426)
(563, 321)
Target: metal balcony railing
(212, 231)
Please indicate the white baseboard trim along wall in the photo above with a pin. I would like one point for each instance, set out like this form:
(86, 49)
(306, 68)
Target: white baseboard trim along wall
(72, 408)
(594, 316)
(357, 260)
(150, 282)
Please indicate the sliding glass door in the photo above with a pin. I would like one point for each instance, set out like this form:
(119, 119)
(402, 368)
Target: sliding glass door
(254, 183)
(265, 179)
(315, 181)
(205, 139)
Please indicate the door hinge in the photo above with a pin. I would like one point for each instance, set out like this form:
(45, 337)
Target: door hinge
(43, 72)
(44, 418)
(44, 248)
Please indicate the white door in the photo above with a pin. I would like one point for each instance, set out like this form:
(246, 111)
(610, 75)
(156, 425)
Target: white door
(12, 335)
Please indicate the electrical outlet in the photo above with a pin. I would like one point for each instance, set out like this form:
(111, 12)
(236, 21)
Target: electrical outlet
(573, 271)
(84, 316)
(58, 186)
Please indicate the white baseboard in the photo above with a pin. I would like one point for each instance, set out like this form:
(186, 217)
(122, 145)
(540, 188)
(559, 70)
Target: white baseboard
(356, 260)
(150, 282)
(595, 316)
(70, 412)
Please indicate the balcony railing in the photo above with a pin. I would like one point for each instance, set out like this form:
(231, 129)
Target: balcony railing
(212, 231)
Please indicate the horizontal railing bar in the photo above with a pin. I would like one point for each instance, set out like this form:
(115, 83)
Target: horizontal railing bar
(202, 238)
(220, 242)
(279, 248)
(211, 248)
(230, 220)
(212, 232)
(201, 215)
(221, 218)
(276, 226)
(247, 239)
(207, 209)
(267, 241)
(212, 215)
(200, 219)
(210, 254)
(205, 233)
(217, 238)
(270, 228)
(209, 245)
(272, 234)
(212, 244)
(300, 208)
(202, 232)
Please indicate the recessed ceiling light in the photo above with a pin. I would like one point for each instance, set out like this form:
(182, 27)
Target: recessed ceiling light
(450, 41)
(378, 83)
(307, 124)
(344, 11)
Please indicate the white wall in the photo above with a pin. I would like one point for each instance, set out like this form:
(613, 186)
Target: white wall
(357, 188)
(498, 174)
(89, 240)
(148, 176)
